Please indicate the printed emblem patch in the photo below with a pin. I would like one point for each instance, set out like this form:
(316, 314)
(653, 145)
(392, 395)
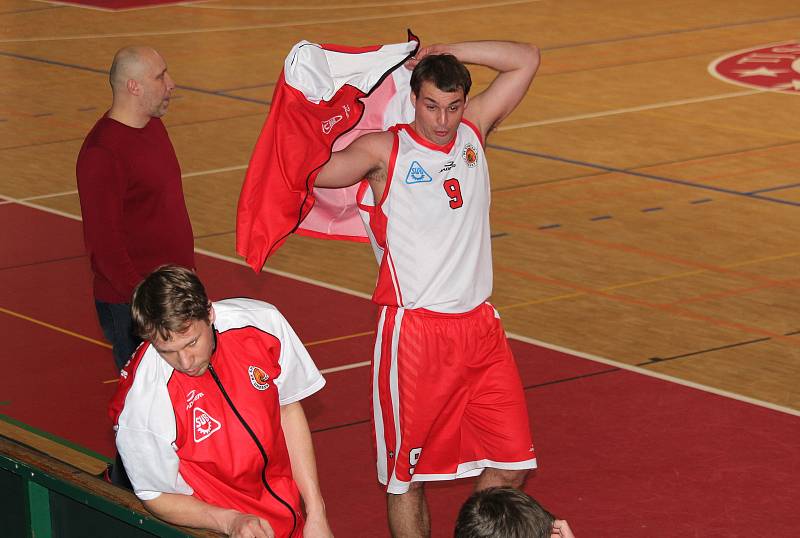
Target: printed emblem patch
(327, 125)
(417, 174)
(771, 67)
(191, 397)
(204, 425)
(470, 155)
(449, 165)
(258, 378)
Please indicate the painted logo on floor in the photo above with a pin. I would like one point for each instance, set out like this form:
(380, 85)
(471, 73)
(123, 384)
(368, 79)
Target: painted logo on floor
(773, 67)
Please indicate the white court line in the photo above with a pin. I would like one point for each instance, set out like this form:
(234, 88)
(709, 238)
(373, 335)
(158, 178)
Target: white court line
(328, 20)
(10, 200)
(215, 171)
(594, 358)
(345, 367)
(663, 377)
(205, 252)
(293, 276)
(513, 126)
(663, 104)
(68, 193)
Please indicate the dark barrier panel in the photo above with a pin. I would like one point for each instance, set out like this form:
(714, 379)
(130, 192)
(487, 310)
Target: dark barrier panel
(13, 508)
(41, 497)
(71, 519)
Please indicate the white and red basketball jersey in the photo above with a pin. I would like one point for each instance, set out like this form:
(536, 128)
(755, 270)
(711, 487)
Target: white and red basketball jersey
(430, 232)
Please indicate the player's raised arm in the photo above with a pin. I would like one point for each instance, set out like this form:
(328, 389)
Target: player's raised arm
(516, 64)
(364, 158)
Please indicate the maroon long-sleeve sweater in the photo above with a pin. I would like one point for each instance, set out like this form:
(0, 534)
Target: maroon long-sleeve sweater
(134, 214)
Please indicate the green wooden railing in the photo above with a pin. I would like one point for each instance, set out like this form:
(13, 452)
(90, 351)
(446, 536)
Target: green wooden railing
(41, 497)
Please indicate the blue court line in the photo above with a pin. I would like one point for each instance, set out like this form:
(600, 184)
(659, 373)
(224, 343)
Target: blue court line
(29, 10)
(266, 85)
(601, 217)
(644, 175)
(104, 72)
(651, 209)
(670, 32)
(171, 125)
(701, 201)
(778, 188)
(549, 226)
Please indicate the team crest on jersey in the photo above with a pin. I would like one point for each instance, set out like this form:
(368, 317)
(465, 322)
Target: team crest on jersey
(470, 155)
(417, 174)
(204, 425)
(258, 378)
(772, 67)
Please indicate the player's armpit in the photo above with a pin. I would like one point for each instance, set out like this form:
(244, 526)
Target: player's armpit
(360, 159)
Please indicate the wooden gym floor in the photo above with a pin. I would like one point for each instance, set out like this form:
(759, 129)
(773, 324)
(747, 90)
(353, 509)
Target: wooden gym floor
(643, 211)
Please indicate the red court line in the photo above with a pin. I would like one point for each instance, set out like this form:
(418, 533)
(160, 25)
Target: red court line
(621, 453)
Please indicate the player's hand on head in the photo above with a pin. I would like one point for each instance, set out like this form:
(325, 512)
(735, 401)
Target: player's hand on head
(425, 51)
(250, 526)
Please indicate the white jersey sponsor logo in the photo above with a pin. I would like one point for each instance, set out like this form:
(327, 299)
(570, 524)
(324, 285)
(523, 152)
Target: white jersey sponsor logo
(204, 425)
(417, 174)
(192, 397)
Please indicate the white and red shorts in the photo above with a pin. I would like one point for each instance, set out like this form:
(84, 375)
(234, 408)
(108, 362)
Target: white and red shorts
(447, 400)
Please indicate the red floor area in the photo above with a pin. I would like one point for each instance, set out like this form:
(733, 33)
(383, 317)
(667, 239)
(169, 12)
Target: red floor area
(621, 454)
(115, 5)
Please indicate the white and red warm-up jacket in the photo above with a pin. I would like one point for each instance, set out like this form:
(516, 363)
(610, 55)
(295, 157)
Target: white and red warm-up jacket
(325, 97)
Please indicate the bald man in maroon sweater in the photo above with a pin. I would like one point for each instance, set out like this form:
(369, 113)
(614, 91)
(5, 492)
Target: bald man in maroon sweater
(129, 182)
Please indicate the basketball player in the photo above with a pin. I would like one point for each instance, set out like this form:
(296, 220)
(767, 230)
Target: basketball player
(447, 398)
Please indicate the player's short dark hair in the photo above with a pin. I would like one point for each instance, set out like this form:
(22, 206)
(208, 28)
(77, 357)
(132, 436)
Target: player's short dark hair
(503, 513)
(444, 70)
(167, 301)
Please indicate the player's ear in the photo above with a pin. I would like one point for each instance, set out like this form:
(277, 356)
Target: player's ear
(211, 315)
(413, 98)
